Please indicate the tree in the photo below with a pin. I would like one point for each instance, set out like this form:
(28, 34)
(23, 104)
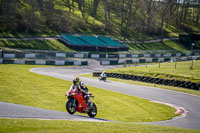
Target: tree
(107, 14)
(94, 8)
(81, 6)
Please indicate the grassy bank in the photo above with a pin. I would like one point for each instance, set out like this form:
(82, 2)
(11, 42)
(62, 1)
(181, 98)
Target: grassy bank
(56, 45)
(48, 33)
(35, 44)
(166, 71)
(18, 85)
(189, 91)
(165, 45)
(56, 126)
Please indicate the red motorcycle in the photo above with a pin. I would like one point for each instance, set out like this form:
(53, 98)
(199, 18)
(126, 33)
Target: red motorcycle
(76, 102)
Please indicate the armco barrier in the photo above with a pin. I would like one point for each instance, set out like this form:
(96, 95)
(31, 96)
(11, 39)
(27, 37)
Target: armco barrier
(1, 61)
(8, 61)
(61, 54)
(146, 60)
(42, 62)
(168, 82)
(50, 62)
(1, 53)
(30, 62)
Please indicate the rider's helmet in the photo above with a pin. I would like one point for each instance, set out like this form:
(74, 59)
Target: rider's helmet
(76, 81)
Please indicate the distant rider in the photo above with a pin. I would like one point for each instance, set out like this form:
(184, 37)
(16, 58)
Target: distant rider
(103, 75)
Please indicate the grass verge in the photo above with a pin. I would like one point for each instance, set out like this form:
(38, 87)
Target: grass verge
(35, 44)
(165, 45)
(58, 126)
(149, 84)
(18, 85)
(166, 71)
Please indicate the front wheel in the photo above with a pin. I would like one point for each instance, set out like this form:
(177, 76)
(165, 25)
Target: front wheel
(93, 111)
(71, 106)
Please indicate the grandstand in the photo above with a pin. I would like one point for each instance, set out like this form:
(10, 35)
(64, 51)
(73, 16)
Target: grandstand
(92, 43)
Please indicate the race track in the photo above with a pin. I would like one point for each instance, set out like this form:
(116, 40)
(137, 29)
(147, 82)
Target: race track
(10, 110)
(186, 101)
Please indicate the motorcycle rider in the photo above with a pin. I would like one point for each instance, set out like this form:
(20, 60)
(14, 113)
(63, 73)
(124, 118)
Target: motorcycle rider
(103, 75)
(82, 87)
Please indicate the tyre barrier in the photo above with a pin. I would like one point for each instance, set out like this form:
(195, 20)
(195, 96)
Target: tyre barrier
(159, 81)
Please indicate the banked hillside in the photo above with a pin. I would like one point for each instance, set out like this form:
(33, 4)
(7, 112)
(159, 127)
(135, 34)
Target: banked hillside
(125, 20)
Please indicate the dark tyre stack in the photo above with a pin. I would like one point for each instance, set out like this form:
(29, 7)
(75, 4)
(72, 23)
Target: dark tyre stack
(160, 81)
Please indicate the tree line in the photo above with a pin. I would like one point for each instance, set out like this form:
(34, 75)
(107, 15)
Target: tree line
(128, 17)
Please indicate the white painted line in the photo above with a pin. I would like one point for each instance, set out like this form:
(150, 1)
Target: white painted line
(9, 55)
(134, 55)
(40, 62)
(59, 62)
(29, 55)
(19, 61)
(77, 63)
(78, 55)
(94, 55)
(157, 55)
(122, 55)
(146, 55)
(60, 55)
(105, 62)
(149, 60)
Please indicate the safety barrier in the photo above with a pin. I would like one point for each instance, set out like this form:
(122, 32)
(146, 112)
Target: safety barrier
(42, 62)
(160, 81)
(147, 60)
(61, 54)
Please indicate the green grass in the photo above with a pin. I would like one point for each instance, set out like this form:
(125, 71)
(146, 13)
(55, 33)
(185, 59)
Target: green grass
(166, 71)
(18, 85)
(165, 45)
(62, 126)
(35, 44)
(189, 91)
(49, 33)
(56, 45)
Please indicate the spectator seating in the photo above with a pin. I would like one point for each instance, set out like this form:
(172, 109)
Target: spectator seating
(111, 42)
(74, 40)
(95, 43)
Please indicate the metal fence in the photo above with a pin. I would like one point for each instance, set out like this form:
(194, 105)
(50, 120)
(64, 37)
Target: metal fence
(46, 54)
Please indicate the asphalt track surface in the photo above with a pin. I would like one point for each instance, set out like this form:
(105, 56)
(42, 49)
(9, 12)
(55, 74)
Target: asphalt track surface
(191, 103)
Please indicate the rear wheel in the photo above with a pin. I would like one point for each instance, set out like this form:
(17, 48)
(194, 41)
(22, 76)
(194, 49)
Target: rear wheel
(71, 106)
(93, 111)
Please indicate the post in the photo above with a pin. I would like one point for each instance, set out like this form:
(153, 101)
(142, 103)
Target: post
(175, 64)
(1, 53)
(191, 68)
(159, 63)
(192, 48)
(125, 63)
